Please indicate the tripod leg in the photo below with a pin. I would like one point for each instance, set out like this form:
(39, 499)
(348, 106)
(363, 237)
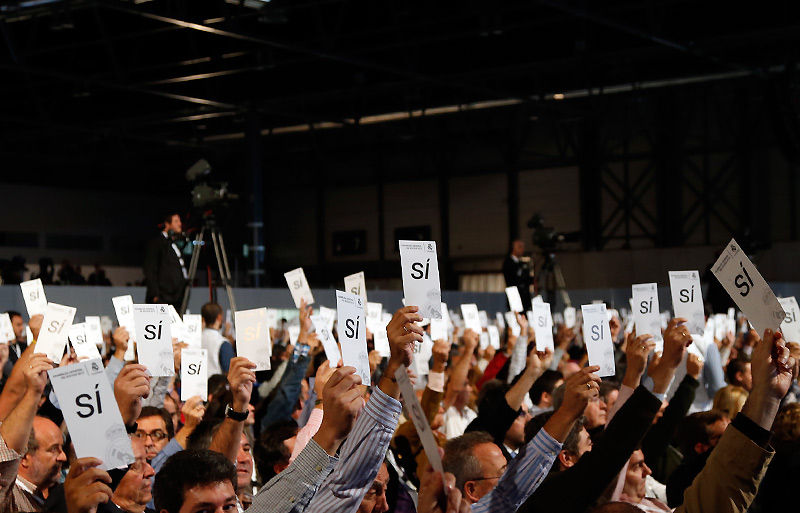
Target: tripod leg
(222, 264)
(561, 284)
(192, 269)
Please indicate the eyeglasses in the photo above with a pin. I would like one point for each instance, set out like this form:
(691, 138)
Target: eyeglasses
(156, 436)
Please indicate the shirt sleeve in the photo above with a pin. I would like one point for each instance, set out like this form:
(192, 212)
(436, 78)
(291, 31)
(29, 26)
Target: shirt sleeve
(361, 457)
(113, 369)
(523, 476)
(171, 448)
(292, 490)
(226, 354)
(307, 432)
(9, 464)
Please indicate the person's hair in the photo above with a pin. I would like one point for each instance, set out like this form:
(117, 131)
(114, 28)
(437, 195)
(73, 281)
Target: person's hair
(694, 430)
(33, 443)
(545, 383)
(558, 396)
(491, 392)
(270, 449)
(13, 313)
(733, 367)
(210, 312)
(730, 400)
(787, 424)
(186, 469)
(606, 387)
(152, 411)
(459, 458)
(217, 384)
(201, 437)
(570, 443)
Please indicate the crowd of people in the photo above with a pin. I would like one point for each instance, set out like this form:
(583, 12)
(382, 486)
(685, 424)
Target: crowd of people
(516, 429)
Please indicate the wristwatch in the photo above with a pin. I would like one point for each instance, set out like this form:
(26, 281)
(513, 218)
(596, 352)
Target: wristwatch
(238, 416)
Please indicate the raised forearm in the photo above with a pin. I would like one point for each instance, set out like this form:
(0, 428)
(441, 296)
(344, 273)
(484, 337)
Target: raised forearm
(17, 426)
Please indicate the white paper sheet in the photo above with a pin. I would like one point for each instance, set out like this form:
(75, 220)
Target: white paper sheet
(420, 271)
(194, 373)
(353, 333)
(298, 285)
(597, 337)
(253, 339)
(687, 299)
(154, 346)
(55, 330)
(91, 413)
(33, 294)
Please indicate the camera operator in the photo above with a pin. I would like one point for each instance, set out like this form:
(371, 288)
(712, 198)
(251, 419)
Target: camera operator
(164, 269)
(518, 273)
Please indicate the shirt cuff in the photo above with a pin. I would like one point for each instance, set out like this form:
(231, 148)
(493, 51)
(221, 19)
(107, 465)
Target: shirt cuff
(436, 381)
(660, 397)
(546, 443)
(384, 409)
(313, 459)
(6, 452)
(751, 430)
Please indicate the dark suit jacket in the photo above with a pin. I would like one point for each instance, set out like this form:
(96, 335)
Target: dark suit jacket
(518, 274)
(162, 272)
(576, 489)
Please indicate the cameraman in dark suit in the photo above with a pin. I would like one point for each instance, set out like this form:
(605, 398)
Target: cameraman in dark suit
(517, 272)
(164, 269)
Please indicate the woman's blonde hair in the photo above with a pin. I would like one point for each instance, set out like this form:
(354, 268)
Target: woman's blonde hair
(730, 400)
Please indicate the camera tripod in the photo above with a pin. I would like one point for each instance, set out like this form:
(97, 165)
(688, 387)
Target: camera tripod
(553, 279)
(209, 227)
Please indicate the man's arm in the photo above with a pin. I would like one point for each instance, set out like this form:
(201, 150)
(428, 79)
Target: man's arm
(365, 448)
(576, 489)
(288, 391)
(527, 471)
(292, 489)
(729, 481)
(229, 436)
(458, 376)
(15, 386)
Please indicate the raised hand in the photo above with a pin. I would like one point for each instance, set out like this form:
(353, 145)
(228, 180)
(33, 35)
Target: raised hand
(120, 338)
(36, 373)
(676, 339)
(636, 351)
(241, 377)
(579, 389)
(471, 340)
(132, 384)
(35, 324)
(441, 353)
(772, 367)
(342, 400)
(403, 332)
(193, 411)
(564, 336)
(693, 365)
(86, 486)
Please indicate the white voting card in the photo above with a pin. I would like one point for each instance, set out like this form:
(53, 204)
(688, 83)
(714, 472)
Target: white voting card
(252, 337)
(177, 324)
(543, 326)
(52, 339)
(597, 337)
(78, 337)
(570, 317)
(154, 345)
(33, 294)
(420, 269)
(6, 329)
(298, 285)
(356, 284)
(790, 325)
(646, 314)
(91, 413)
(687, 299)
(94, 330)
(484, 318)
(514, 299)
(494, 336)
(513, 323)
(194, 373)
(123, 306)
(381, 338)
(324, 332)
(748, 289)
(415, 411)
(353, 333)
(193, 329)
(472, 320)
